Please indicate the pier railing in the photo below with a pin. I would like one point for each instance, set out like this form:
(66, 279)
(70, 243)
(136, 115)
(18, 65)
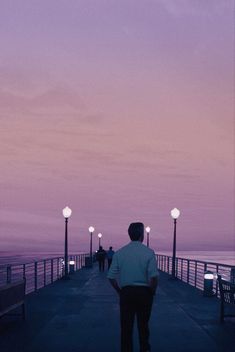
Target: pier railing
(45, 271)
(39, 273)
(192, 271)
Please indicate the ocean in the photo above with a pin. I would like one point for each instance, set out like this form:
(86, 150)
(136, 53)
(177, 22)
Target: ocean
(11, 257)
(222, 257)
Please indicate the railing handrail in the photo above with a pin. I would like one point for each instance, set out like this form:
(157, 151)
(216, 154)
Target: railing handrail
(198, 261)
(40, 273)
(191, 271)
(41, 260)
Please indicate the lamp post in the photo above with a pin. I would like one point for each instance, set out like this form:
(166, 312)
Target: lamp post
(99, 236)
(91, 230)
(66, 213)
(175, 213)
(148, 231)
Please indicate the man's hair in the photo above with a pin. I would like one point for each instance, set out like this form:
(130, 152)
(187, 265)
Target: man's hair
(136, 230)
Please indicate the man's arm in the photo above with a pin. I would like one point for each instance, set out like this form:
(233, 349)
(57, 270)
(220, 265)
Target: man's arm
(153, 273)
(153, 283)
(113, 272)
(114, 283)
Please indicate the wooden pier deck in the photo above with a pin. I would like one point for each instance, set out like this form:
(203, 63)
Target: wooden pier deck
(82, 315)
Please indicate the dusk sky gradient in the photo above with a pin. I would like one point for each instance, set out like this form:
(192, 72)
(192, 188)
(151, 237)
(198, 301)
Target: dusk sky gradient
(121, 110)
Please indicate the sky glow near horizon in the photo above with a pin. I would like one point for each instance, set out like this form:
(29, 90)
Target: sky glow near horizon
(121, 110)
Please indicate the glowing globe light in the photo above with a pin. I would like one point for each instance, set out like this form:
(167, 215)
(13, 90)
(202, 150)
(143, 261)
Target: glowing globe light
(91, 229)
(67, 212)
(175, 213)
(148, 229)
(99, 235)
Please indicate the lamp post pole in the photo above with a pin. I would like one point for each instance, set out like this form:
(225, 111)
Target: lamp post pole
(91, 230)
(175, 213)
(66, 249)
(91, 245)
(174, 250)
(66, 213)
(147, 231)
(99, 236)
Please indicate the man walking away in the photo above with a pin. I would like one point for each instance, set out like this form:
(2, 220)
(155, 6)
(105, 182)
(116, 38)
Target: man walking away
(136, 266)
(101, 255)
(110, 254)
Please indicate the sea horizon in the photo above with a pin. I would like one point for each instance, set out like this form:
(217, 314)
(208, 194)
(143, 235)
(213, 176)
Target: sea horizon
(15, 257)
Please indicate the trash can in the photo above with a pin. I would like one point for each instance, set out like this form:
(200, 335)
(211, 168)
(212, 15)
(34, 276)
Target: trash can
(71, 266)
(208, 284)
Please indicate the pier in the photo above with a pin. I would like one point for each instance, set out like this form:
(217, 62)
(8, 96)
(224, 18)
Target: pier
(82, 315)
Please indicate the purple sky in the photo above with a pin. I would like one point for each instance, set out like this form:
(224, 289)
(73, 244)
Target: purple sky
(121, 110)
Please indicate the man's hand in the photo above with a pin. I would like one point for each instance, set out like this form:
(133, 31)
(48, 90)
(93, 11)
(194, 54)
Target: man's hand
(153, 284)
(114, 283)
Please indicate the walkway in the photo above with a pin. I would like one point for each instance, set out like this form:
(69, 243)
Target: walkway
(82, 315)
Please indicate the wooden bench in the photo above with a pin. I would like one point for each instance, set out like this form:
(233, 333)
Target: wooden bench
(227, 297)
(11, 297)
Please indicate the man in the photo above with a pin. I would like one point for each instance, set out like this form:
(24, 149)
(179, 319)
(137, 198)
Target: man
(110, 254)
(100, 256)
(136, 266)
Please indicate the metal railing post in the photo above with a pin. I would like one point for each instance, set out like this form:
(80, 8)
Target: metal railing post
(24, 272)
(188, 267)
(51, 270)
(44, 273)
(57, 267)
(217, 285)
(8, 274)
(195, 275)
(181, 271)
(35, 276)
(168, 265)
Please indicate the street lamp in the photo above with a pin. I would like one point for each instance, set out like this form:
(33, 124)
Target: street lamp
(175, 213)
(91, 230)
(148, 230)
(99, 236)
(66, 213)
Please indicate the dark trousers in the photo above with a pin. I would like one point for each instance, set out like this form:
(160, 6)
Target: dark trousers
(101, 265)
(135, 301)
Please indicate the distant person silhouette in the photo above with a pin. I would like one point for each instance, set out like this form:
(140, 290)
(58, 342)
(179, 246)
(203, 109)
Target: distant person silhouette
(101, 255)
(110, 254)
(136, 266)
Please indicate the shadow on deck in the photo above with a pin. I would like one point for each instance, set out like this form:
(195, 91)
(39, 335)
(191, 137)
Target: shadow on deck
(82, 315)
